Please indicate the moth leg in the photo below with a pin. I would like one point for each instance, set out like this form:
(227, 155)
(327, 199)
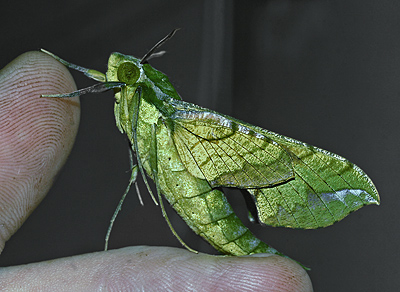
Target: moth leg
(132, 166)
(91, 73)
(97, 88)
(132, 180)
(154, 170)
(136, 103)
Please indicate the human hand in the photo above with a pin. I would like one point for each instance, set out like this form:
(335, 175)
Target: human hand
(36, 136)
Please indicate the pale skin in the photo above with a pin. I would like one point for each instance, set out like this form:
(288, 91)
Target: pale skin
(36, 137)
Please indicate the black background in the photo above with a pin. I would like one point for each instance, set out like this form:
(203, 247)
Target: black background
(323, 72)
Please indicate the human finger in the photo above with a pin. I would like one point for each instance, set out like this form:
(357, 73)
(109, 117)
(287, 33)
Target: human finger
(36, 133)
(144, 268)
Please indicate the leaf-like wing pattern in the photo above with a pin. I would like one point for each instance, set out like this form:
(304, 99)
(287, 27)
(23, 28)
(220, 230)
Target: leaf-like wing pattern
(227, 153)
(325, 189)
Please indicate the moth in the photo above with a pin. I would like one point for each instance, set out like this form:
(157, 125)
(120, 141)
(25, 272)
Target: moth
(190, 152)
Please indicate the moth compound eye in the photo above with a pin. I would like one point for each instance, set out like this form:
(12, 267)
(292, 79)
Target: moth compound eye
(128, 73)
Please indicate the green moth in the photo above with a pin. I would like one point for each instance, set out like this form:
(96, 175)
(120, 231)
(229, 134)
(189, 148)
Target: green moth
(190, 152)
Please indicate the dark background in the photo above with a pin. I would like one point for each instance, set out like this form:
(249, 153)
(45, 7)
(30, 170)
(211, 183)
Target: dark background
(323, 72)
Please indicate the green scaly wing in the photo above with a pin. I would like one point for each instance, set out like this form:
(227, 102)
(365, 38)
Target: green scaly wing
(227, 154)
(326, 189)
(293, 184)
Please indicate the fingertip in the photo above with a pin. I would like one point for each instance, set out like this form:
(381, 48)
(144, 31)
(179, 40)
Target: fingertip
(37, 134)
(286, 274)
(179, 270)
(264, 273)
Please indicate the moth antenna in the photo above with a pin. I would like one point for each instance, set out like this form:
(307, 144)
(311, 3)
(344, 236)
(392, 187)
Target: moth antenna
(156, 55)
(147, 56)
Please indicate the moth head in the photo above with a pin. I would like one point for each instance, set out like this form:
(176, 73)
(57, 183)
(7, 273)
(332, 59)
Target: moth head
(123, 68)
